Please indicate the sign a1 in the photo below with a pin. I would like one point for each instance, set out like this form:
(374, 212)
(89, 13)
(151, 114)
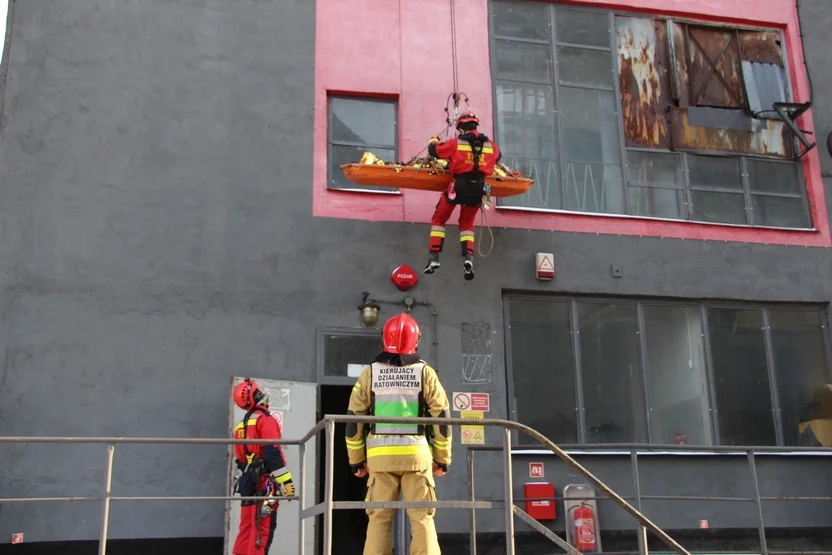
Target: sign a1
(536, 470)
(462, 401)
(404, 277)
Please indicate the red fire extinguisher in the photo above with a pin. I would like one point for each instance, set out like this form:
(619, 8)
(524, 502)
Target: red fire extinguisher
(585, 528)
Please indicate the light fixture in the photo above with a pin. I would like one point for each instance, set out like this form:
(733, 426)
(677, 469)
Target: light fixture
(368, 312)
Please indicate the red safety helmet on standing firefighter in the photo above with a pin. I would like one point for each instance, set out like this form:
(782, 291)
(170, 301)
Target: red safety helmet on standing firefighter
(401, 335)
(248, 395)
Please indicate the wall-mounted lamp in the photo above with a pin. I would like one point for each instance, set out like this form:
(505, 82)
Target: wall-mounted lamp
(369, 312)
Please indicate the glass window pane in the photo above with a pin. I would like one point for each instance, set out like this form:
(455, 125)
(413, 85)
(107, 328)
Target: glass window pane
(655, 184)
(546, 193)
(611, 373)
(724, 208)
(526, 120)
(779, 211)
(592, 178)
(580, 27)
(344, 155)
(362, 121)
(743, 395)
(654, 169)
(588, 68)
(523, 61)
(801, 367)
(676, 371)
(715, 171)
(655, 202)
(342, 350)
(773, 177)
(542, 368)
(523, 21)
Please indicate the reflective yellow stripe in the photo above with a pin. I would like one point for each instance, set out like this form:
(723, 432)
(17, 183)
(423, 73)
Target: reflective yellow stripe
(442, 443)
(355, 442)
(463, 147)
(251, 423)
(466, 236)
(283, 478)
(351, 448)
(487, 150)
(437, 234)
(398, 450)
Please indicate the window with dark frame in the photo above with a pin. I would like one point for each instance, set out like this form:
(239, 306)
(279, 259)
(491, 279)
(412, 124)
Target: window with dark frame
(358, 125)
(598, 371)
(603, 131)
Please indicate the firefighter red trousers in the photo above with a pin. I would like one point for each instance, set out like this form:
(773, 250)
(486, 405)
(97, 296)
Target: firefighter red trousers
(256, 534)
(467, 216)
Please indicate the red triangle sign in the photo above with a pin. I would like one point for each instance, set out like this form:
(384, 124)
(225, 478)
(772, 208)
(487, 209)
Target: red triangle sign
(546, 265)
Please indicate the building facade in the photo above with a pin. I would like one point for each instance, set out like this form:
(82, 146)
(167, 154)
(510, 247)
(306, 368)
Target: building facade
(174, 214)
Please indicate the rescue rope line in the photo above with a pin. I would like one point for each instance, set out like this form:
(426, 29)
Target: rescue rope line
(484, 221)
(454, 60)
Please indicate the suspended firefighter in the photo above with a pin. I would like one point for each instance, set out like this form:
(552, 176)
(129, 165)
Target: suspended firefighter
(264, 470)
(398, 457)
(472, 157)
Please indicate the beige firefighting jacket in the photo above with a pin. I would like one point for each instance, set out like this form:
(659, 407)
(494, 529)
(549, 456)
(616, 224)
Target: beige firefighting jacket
(393, 453)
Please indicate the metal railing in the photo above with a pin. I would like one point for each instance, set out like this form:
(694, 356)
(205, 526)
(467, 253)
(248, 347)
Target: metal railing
(327, 424)
(634, 450)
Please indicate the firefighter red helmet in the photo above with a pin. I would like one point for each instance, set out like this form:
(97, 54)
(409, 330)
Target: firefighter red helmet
(401, 335)
(467, 117)
(248, 394)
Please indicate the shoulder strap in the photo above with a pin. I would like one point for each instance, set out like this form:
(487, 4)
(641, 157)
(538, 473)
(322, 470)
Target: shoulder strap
(246, 418)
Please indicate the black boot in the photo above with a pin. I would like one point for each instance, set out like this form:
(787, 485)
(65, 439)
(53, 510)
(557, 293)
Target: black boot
(468, 265)
(433, 263)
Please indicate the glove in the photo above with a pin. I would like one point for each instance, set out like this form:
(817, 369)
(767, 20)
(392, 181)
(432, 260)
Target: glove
(360, 469)
(440, 469)
(287, 489)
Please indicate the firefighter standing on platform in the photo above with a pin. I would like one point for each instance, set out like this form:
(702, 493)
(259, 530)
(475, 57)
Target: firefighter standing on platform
(398, 456)
(264, 470)
(472, 157)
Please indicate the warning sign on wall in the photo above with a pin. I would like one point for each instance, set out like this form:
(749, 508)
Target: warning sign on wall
(472, 435)
(463, 401)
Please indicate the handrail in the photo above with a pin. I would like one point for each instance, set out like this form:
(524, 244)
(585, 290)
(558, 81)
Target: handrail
(327, 424)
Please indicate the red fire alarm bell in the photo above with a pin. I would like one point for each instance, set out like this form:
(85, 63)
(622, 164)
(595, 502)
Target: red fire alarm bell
(540, 510)
(404, 277)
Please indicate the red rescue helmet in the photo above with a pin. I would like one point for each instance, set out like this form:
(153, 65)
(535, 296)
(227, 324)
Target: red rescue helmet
(401, 335)
(467, 117)
(248, 395)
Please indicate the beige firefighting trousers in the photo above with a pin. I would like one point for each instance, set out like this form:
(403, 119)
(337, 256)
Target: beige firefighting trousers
(417, 485)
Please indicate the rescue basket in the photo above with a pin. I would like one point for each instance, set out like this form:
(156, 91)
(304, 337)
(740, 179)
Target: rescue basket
(428, 174)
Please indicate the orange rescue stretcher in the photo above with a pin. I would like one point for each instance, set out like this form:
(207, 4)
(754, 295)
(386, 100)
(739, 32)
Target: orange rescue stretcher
(428, 174)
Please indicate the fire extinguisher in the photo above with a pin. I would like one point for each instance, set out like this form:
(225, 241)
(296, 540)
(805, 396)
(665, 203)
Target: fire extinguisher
(584, 528)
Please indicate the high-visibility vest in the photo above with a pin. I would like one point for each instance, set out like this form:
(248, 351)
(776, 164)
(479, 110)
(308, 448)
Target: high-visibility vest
(397, 392)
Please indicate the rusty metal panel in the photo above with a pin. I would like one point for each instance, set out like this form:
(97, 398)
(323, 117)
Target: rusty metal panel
(644, 80)
(678, 63)
(715, 72)
(774, 139)
(762, 47)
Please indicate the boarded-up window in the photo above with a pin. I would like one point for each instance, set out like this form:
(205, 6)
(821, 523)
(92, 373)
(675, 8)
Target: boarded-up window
(715, 72)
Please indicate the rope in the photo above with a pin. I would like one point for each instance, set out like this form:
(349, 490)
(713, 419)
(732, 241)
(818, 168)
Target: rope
(484, 221)
(453, 54)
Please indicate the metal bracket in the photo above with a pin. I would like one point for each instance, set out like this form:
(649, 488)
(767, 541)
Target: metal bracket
(789, 112)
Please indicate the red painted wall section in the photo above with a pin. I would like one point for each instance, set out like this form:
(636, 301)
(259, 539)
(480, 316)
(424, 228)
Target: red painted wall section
(402, 48)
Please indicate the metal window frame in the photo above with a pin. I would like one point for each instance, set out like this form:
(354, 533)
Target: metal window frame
(330, 142)
(702, 306)
(320, 352)
(613, 14)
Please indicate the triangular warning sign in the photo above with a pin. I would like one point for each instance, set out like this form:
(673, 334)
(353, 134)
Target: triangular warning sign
(546, 265)
(477, 435)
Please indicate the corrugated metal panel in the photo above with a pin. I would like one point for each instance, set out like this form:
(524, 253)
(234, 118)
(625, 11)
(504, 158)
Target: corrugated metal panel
(772, 140)
(715, 73)
(644, 81)
(765, 85)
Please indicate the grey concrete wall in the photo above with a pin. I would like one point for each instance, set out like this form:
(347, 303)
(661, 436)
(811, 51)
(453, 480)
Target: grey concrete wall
(157, 238)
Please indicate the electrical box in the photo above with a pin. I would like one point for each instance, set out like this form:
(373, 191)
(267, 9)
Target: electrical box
(545, 509)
